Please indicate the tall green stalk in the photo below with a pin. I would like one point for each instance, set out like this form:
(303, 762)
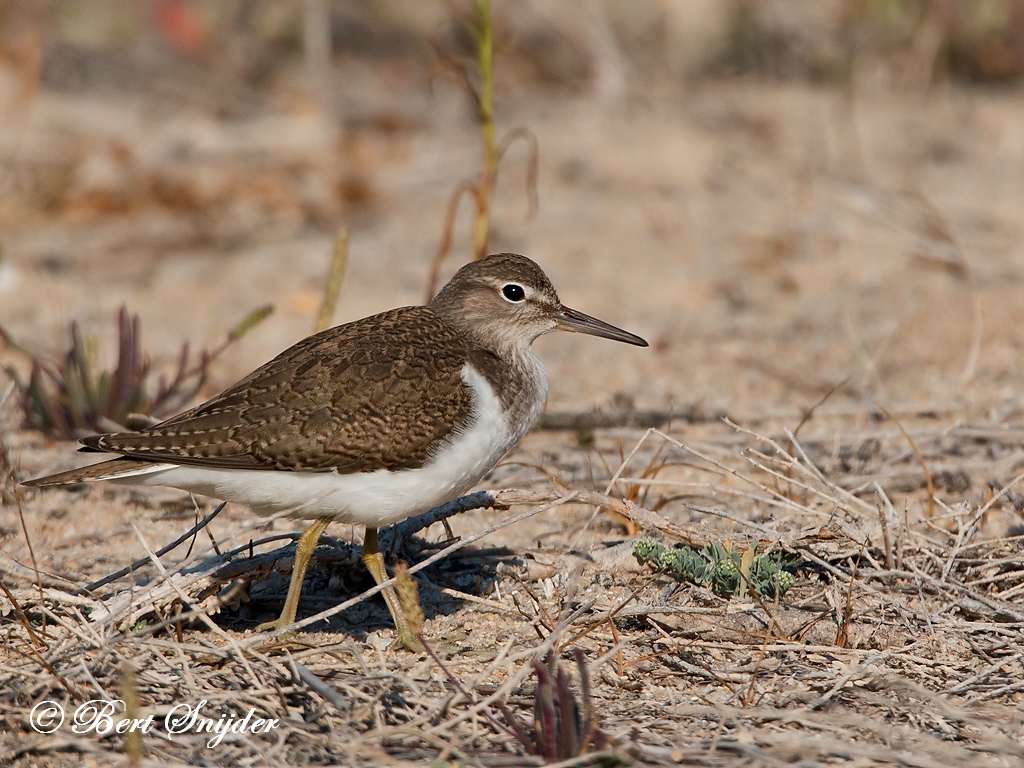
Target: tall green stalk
(484, 37)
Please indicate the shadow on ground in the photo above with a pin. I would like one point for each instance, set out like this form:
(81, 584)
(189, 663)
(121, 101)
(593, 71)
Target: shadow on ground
(337, 574)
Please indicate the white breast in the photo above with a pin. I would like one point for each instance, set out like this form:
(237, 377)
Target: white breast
(374, 498)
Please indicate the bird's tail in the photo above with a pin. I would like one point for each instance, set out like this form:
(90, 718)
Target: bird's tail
(114, 469)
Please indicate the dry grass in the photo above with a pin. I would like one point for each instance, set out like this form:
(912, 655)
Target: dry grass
(902, 642)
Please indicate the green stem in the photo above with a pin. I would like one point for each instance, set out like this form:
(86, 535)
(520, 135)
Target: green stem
(485, 107)
(332, 287)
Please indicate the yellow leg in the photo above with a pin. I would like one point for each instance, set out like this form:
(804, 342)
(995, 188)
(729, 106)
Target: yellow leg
(374, 561)
(304, 549)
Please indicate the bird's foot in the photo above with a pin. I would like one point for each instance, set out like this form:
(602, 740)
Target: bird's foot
(289, 637)
(273, 626)
(406, 641)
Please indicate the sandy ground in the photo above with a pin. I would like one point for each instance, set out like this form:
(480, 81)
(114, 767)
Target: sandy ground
(775, 243)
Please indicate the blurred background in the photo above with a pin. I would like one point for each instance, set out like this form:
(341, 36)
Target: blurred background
(787, 198)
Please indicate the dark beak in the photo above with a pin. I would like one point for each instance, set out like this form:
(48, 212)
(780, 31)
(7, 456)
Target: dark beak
(577, 322)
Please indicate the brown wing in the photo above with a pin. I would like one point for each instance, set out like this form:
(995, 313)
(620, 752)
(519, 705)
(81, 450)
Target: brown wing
(373, 394)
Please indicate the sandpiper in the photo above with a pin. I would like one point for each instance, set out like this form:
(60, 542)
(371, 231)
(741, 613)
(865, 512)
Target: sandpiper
(368, 422)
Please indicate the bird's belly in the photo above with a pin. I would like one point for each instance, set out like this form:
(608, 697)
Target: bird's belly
(376, 498)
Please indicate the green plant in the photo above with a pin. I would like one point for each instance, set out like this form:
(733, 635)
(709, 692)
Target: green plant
(72, 397)
(481, 92)
(332, 286)
(8, 492)
(562, 729)
(720, 567)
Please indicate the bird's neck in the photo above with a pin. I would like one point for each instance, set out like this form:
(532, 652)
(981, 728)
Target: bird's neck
(504, 356)
(518, 378)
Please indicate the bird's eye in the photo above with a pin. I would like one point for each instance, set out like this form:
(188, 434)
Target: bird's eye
(513, 292)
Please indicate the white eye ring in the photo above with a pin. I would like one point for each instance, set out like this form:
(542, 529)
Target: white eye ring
(513, 292)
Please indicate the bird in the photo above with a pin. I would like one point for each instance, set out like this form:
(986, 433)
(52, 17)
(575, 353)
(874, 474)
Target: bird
(369, 422)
